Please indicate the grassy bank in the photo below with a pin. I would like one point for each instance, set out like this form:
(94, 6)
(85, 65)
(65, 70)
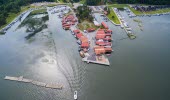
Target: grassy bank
(125, 5)
(160, 11)
(112, 13)
(85, 25)
(40, 11)
(115, 18)
(12, 16)
(135, 11)
(118, 5)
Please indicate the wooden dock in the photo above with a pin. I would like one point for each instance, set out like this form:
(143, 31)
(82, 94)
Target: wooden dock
(106, 62)
(37, 83)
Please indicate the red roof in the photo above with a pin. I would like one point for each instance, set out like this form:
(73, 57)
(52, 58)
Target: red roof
(72, 23)
(83, 39)
(104, 25)
(91, 29)
(100, 32)
(100, 36)
(66, 27)
(108, 31)
(79, 35)
(100, 29)
(76, 31)
(64, 23)
(85, 45)
(108, 49)
(107, 39)
(99, 50)
(102, 43)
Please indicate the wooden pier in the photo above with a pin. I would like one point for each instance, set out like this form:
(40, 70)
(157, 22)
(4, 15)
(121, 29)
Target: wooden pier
(104, 61)
(37, 83)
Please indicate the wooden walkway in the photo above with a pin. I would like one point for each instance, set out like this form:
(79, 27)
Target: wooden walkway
(105, 61)
(37, 83)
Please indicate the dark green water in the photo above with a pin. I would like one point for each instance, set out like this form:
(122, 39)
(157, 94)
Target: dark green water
(139, 68)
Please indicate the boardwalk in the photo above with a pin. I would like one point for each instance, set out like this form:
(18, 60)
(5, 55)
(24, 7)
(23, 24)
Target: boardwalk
(37, 83)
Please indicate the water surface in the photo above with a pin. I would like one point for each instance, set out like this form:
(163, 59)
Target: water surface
(139, 68)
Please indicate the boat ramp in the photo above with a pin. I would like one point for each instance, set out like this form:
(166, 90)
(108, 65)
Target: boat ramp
(37, 83)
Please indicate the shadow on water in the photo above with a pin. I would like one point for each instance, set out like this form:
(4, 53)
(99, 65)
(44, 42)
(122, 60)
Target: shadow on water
(34, 24)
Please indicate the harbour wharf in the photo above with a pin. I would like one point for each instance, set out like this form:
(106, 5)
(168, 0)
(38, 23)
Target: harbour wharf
(37, 83)
(104, 61)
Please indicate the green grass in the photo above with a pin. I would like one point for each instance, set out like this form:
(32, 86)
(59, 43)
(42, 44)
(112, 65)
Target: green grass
(51, 5)
(61, 1)
(126, 5)
(131, 36)
(82, 1)
(85, 25)
(135, 11)
(137, 20)
(12, 16)
(115, 19)
(40, 11)
(118, 5)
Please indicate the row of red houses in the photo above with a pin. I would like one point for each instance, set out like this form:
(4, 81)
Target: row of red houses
(83, 40)
(67, 21)
(103, 40)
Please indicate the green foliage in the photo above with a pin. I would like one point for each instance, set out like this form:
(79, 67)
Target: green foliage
(95, 2)
(13, 7)
(83, 12)
(41, 11)
(112, 16)
(153, 2)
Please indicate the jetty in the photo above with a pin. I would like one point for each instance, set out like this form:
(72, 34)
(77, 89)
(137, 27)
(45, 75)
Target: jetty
(124, 24)
(37, 83)
(104, 60)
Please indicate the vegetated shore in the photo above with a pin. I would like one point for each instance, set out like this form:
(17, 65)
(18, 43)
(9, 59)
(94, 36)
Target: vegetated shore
(116, 20)
(12, 16)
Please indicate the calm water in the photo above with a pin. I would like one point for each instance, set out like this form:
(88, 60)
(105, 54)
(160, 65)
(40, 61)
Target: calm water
(139, 68)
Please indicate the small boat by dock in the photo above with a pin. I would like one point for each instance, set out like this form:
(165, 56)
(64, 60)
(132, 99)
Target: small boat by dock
(129, 29)
(82, 54)
(121, 26)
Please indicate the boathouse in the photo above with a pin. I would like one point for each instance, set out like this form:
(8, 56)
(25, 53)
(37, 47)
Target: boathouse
(79, 35)
(83, 39)
(104, 25)
(102, 43)
(99, 50)
(76, 31)
(85, 45)
(90, 29)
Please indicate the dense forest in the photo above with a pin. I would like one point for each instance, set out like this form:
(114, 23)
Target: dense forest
(84, 13)
(156, 2)
(13, 6)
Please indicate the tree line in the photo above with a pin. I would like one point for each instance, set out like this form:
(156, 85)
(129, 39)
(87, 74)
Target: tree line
(13, 6)
(84, 13)
(153, 2)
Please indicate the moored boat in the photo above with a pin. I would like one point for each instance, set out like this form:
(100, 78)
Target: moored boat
(82, 54)
(75, 95)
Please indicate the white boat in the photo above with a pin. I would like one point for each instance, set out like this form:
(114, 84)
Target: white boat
(122, 26)
(129, 29)
(75, 95)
